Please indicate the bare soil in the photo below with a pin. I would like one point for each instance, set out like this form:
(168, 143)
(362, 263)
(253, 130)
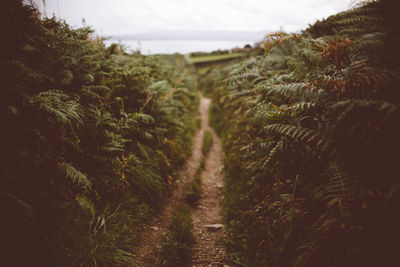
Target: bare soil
(208, 212)
(206, 252)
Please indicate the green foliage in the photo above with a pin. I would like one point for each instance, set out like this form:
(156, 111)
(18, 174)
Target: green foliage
(91, 139)
(194, 192)
(76, 176)
(310, 132)
(207, 142)
(176, 249)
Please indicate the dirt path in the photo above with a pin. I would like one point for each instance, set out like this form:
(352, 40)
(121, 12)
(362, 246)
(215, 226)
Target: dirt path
(154, 232)
(207, 218)
(206, 253)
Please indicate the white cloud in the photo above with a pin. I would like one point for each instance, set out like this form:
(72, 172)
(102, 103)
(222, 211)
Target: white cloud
(134, 16)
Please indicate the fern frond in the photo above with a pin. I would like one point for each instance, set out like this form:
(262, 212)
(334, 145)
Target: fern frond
(145, 118)
(276, 39)
(346, 108)
(301, 107)
(300, 134)
(290, 91)
(243, 67)
(90, 94)
(263, 115)
(247, 92)
(10, 110)
(143, 150)
(103, 119)
(352, 31)
(367, 76)
(12, 202)
(67, 77)
(338, 190)
(371, 41)
(58, 105)
(99, 89)
(273, 152)
(76, 176)
(248, 75)
(260, 145)
(360, 19)
(95, 92)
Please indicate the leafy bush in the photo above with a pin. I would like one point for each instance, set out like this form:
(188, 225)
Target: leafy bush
(91, 139)
(310, 132)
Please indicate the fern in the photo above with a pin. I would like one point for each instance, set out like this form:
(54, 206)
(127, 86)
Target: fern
(76, 176)
(324, 107)
(381, 109)
(125, 121)
(301, 134)
(291, 91)
(274, 151)
(58, 105)
(338, 190)
(359, 19)
(302, 108)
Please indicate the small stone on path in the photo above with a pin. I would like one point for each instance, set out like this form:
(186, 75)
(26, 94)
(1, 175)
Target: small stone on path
(214, 227)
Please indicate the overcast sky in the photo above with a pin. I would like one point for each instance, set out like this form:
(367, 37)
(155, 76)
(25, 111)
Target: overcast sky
(120, 17)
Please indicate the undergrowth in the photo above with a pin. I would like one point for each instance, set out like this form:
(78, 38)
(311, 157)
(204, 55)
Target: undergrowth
(310, 133)
(92, 138)
(194, 192)
(207, 142)
(176, 249)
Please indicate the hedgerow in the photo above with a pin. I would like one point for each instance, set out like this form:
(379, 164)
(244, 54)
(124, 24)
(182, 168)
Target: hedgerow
(91, 139)
(311, 133)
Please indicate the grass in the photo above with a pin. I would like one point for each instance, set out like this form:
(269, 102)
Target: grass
(177, 247)
(207, 142)
(194, 192)
(215, 57)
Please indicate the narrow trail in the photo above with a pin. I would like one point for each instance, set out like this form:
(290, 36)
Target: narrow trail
(208, 209)
(207, 220)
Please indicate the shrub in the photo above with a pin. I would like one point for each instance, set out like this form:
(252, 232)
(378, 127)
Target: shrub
(92, 139)
(309, 131)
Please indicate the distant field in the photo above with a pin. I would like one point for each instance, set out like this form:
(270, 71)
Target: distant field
(203, 70)
(209, 58)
